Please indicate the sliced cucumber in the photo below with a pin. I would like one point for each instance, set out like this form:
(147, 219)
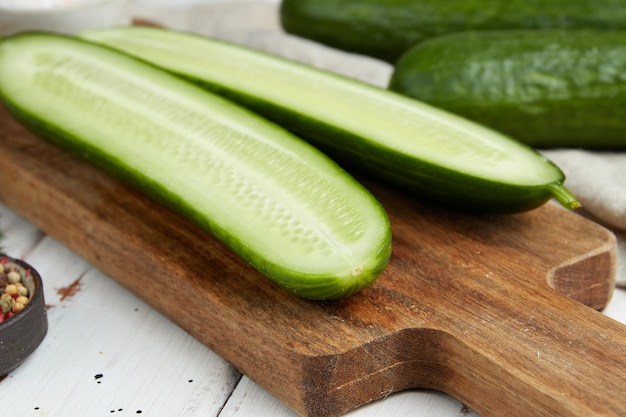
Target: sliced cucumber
(278, 202)
(432, 152)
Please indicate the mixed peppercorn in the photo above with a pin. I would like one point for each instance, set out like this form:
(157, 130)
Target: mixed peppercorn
(14, 295)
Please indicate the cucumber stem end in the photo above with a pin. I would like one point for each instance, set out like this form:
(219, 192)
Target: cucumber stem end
(564, 196)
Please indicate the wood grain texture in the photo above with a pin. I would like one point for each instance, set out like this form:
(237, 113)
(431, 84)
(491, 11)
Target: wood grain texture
(483, 308)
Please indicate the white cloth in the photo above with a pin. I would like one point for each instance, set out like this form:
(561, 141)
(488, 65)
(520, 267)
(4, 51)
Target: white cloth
(598, 179)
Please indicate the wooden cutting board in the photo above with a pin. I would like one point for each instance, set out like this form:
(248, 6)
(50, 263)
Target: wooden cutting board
(492, 310)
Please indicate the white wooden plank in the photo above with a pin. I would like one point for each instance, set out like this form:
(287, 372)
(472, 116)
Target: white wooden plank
(147, 363)
(20, 237)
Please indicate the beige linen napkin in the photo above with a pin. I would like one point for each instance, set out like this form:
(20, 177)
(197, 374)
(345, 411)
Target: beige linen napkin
(597, 179)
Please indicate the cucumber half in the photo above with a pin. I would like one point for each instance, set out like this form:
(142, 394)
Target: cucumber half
(278, 202)
(432, 152)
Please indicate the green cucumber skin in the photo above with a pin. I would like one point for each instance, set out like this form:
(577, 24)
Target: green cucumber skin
(313, 285)
(548, 89)
(387, 28)
(362, 154)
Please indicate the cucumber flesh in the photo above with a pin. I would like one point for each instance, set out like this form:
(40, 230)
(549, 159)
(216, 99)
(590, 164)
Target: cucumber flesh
(278, 202)
(432, 152)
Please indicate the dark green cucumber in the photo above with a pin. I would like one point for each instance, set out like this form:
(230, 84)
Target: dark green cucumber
(545, 88)
(278, 202)
(386, 28)
(433, 153)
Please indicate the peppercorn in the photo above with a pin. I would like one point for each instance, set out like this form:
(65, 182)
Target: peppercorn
(22, 290)
(17, 307)
(11, 289)
(14, 277)
(6, 304)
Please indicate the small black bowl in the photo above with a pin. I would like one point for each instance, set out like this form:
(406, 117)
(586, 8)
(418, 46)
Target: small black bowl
(21, 334)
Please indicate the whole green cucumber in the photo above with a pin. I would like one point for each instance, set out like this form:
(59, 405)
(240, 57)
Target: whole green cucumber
(386, 28)
(434, 154)
(278, 202)
(545, 88)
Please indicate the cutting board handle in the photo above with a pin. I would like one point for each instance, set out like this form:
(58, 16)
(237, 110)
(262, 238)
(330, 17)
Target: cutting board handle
(522, 350)
(560, 359)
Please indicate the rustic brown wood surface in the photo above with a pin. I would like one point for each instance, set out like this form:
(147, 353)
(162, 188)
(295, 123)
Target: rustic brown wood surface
(466, 306)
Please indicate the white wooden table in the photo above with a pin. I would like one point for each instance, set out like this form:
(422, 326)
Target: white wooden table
(109, 354)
